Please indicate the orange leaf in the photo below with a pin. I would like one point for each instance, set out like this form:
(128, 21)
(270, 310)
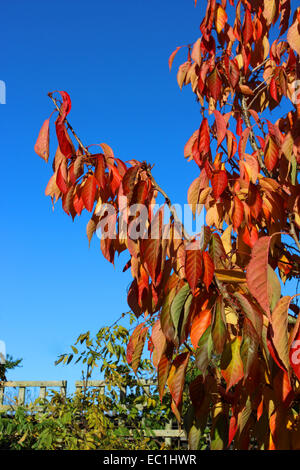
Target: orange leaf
(238, 213)
(271, 153)
(221, 126)
(159, 342)
(176, 379)
(172, 56)
(278, 333)
(293, 36)
(201, 322)
(42, 144)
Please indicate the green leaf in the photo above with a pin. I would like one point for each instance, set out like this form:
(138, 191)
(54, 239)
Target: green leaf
(219, 331)
(231, 363)
(204, 350)
(177, 306)
(219, 433)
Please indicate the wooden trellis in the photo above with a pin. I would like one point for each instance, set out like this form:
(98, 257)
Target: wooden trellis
(168, 433)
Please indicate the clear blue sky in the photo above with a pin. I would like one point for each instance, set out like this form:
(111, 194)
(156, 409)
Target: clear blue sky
(112, 58)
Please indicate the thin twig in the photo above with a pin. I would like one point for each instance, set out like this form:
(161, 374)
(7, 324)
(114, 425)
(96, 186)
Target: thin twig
(246, 116)
(169, 204)
(293, 231)
(259, 66)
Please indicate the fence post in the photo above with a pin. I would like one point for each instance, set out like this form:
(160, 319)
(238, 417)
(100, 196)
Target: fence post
(42, 394)
(21, 396)
(168, 440)
(1, 394)
(63, 389)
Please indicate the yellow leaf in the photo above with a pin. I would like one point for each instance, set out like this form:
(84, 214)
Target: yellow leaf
(221, 18)
(230, 275)
(226, 239)
(231, 316)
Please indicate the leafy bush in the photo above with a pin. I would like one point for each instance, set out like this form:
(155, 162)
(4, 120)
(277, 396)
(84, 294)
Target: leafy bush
(91, 419)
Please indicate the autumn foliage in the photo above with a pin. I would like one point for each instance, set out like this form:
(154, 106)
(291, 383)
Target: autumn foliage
(213, 303)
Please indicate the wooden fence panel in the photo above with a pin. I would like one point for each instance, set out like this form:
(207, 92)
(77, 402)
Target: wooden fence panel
(167, 434)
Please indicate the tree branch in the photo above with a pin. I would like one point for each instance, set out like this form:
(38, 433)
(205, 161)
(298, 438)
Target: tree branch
(169, 204)
(246, 116)
(69, 125)
(293, 231)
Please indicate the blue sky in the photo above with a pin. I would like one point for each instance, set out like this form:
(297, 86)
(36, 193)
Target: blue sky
(112, 58)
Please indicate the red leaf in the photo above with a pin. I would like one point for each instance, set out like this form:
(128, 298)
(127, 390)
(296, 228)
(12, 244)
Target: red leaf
(61, 180)
(88, 192)
(150, 251)
(234, 73)
(108, 249)
(273, 89)
(61, 132)
(254, 201)
(250, 235)
(100, 171)
(200, 146)
(247, 28)
(257, 273)
(66, 104)
(193, 267)
(63, 139)
(214, 84)
(219, 183)
(42, 144)
(209, 269)
(132, 298)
